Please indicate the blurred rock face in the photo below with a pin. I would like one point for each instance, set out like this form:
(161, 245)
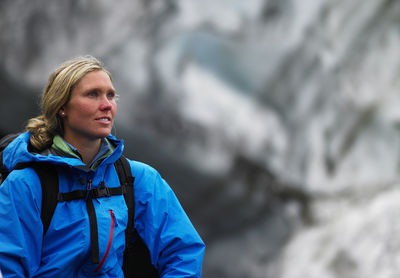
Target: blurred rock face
(264, 115)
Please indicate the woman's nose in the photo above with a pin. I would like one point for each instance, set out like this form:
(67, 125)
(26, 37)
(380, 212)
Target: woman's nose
(105, 103)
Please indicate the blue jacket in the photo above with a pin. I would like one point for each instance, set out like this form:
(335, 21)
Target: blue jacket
(176, 248)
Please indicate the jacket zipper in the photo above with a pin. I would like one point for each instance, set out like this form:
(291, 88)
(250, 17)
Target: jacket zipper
(109, 242)
(88, 188)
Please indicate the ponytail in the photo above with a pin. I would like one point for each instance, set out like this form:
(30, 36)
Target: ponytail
(41, 133)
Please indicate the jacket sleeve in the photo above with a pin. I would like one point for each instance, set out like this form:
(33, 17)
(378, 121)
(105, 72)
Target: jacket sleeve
(21, 229)
(175, 246)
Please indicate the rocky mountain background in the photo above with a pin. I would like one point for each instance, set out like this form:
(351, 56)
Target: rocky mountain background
(276, 122)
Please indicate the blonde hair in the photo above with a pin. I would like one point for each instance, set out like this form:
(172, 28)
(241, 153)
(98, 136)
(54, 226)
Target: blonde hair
(55, 95)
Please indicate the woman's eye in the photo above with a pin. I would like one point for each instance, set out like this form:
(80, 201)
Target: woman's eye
(111, 95)
(92, 94)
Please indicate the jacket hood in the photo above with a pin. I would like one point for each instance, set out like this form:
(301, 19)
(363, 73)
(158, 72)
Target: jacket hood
(18, 152)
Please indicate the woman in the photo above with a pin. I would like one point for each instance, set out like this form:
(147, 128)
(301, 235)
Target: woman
(73, 133)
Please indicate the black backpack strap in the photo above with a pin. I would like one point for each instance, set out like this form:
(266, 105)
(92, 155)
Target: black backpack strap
(4, 142)
(3, 170)
(125, 177)
(48, 176)
(49, 179)
(137, 262)
(94, 236)
(93, 193)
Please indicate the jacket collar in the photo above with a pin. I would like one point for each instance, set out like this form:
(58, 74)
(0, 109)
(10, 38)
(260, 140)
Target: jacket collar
(18, 151)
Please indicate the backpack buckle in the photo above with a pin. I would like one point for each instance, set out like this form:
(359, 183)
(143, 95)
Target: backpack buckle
(100, 192)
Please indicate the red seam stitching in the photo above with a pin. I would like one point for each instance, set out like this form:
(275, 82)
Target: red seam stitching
(109, 242)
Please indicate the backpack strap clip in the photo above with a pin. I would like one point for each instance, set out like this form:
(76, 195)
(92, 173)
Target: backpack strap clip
(100, 192)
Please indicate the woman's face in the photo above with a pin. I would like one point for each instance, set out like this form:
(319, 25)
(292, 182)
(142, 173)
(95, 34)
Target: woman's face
(89, 114)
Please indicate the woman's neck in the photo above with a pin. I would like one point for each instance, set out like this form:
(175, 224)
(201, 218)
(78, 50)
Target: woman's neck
(86, 148)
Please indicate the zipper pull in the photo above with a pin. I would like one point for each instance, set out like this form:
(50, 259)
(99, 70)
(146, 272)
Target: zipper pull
(89, 185)
(88, 188)
(113, 216)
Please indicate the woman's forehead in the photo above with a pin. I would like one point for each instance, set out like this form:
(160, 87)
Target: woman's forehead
(92, 79)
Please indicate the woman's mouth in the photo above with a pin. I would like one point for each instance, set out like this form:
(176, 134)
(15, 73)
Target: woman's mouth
(104, 119)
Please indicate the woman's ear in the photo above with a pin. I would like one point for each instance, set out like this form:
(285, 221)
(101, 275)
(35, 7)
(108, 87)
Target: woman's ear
(61, 112)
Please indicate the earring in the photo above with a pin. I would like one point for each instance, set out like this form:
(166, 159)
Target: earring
(62, 114)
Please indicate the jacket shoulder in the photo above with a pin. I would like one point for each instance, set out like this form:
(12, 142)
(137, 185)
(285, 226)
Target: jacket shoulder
(23, 184)
(140, 169)
(148, 179)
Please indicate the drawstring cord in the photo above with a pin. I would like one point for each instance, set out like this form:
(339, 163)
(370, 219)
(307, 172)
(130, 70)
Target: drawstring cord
(109, 242)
